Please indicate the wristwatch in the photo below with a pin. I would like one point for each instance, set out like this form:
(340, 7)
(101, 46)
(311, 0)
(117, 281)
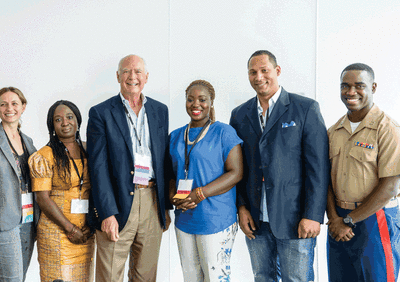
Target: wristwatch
(349, 221)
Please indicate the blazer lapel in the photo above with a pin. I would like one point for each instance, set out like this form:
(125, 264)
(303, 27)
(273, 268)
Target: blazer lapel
(29, 146)
(5, 147)
(252, 115)
(119, 115)
(279, 109)
(152, 120)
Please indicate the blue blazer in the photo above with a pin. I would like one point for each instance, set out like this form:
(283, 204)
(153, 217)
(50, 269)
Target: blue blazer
(292, 156)
(111, 163)
(10, 193)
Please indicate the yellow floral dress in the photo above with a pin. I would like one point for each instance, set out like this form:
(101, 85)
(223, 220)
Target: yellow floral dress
(58, 257)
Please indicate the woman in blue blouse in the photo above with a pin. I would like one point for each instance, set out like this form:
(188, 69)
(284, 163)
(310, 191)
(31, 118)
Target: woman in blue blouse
(203, 190)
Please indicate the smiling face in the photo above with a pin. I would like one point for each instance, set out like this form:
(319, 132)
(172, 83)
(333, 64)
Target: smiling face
(198, 105)
(263, 76)
(357, 88)
(11, 108)
(65, 123)
(132, 76)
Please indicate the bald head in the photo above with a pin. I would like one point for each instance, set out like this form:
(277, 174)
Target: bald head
(130, 56)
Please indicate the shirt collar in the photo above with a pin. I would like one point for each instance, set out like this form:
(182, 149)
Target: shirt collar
(370, 120)
(271, 101)
(126, 102)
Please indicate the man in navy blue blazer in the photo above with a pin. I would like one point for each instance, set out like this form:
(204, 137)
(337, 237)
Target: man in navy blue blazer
(127, 137)
(282, 196)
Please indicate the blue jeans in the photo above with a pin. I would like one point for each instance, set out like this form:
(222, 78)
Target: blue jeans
(16, 247)
(296, 257)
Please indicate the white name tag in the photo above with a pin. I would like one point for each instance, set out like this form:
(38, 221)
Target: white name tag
(27, 207)
(184, 188)
(79, 206)
(142, 169)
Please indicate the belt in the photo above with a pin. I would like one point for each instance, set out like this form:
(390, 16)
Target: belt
(151, 184)
(353, 205)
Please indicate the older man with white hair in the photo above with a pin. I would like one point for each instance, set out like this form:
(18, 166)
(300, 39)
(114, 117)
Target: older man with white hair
(127, 137)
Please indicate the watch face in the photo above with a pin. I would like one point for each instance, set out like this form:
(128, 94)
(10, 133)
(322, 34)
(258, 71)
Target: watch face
(346, 220)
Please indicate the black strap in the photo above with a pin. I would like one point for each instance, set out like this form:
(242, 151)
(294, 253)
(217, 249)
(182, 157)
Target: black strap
(22, 141)
(25, 178)
(187, 156)
(262, 119)
(134, 127)
(76, 168)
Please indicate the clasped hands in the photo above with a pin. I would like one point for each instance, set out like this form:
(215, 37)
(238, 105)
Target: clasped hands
(190, 202)
(339, 231)
(79, 236)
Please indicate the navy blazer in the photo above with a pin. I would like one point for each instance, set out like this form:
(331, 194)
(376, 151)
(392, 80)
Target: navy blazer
(292, 155)
(10, 193)
(111, 162)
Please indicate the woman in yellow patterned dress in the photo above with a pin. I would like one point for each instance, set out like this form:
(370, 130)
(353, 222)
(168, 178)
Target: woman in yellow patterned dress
(60, 181)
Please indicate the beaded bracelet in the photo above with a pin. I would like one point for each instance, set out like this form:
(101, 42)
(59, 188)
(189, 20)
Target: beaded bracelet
(71, 234)
(199, 194)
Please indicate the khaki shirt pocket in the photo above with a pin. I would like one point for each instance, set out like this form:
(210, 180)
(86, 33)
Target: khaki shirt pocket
(363, 162)
(334, 154)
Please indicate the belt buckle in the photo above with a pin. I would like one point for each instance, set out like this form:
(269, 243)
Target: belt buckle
(139, 188)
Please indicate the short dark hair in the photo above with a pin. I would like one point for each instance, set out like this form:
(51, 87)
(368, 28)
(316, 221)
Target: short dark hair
(271, 57)
(360, 67)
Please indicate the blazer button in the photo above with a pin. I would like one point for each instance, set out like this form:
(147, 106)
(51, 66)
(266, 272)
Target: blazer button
(132, 172)
(131, 193)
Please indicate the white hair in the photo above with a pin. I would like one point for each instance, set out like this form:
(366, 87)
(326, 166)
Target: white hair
(122, 60)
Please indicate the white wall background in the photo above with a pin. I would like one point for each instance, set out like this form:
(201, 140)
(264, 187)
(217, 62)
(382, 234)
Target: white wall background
(69, 49)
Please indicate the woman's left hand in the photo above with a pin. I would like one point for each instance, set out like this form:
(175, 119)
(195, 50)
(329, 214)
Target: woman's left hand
(190, 202)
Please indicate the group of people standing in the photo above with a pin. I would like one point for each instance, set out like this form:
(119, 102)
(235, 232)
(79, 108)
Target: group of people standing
(273, 171)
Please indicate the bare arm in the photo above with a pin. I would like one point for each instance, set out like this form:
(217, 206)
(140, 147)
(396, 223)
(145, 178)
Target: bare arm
(246, 222)
(233, 174)
(52, 211)
(388, 187)
(337, 229)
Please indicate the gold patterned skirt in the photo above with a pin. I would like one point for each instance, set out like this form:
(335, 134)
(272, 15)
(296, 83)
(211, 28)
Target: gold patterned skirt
(58, 257)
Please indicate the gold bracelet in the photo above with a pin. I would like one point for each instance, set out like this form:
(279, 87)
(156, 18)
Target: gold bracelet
(199, 193)
(71, 234)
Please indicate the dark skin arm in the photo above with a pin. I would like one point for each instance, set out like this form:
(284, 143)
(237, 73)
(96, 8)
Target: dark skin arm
(337, 229)
(233, 174)
(246, 222)
(51, 210)
(388, 187)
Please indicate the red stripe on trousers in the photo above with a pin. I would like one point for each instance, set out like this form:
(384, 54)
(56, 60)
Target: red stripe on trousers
(387, 247)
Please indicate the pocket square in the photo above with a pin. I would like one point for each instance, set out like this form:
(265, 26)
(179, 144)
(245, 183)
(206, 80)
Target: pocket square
(285, 124)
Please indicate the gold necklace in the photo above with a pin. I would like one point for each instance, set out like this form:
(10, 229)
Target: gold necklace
(201, 136)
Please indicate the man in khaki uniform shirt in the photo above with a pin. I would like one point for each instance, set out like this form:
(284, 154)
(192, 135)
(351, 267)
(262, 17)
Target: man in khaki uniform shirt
(363, 208)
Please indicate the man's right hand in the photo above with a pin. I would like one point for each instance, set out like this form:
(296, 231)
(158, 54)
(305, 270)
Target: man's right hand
(246, 222)
(339, 231)
(110, 227)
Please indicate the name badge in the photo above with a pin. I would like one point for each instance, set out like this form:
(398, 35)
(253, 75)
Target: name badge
(27, 207)
(184, 188)
(142, 169)
(79, 206)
